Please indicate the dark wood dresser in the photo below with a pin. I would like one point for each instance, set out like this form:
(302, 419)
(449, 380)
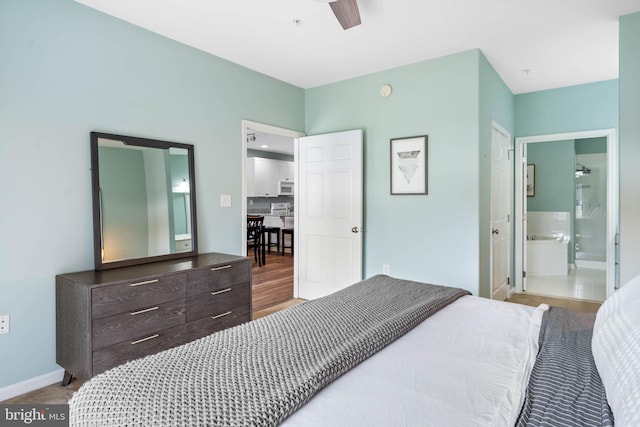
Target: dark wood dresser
(108, 317)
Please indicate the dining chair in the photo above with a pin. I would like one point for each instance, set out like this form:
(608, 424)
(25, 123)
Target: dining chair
(287, 232)
(255, 238)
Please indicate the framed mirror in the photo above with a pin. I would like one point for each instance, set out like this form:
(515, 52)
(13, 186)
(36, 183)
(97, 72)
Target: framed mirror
(144, 200)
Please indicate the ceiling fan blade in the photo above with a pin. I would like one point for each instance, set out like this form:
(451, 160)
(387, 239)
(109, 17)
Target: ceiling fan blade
(347, 13)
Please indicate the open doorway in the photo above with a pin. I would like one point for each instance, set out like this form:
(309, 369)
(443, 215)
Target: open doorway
(269, 194)
(566, 214)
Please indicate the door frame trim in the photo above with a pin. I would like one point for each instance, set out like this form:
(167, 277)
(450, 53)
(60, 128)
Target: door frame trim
(612, 198)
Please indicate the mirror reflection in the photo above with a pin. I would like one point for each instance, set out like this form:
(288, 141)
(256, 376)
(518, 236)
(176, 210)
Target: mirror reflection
(145, 200)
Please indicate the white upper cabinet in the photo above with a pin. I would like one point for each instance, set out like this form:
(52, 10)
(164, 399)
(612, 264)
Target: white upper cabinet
(262, 177)
(285, 170)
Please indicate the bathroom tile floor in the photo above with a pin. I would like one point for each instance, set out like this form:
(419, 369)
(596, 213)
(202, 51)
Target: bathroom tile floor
(580, 283)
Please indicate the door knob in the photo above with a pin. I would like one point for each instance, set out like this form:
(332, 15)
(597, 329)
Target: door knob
(495, 231)
(355, 230)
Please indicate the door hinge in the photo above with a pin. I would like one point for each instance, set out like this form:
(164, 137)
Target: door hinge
(508, 280)
(524, 274)
(508, 217)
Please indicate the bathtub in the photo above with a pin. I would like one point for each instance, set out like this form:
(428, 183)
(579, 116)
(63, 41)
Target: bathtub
(547, 255)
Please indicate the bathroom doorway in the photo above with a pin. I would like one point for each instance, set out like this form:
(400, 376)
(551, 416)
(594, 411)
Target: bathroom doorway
(566, 215)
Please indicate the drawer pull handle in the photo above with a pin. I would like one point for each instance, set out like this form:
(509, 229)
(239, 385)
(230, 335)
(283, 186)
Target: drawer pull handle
(224, 267)
(146, 310)
(145, 339)
(148, 282)
(221, 292)
(222, 315)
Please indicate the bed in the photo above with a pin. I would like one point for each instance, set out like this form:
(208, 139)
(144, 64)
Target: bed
(389, 352)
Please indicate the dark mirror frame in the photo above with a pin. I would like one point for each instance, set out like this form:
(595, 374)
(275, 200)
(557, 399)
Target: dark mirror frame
(95, 186)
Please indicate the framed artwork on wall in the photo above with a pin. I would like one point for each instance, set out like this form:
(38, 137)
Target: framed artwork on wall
(531, 180)
(409, 165)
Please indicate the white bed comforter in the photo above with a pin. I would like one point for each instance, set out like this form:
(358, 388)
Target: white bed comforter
(467, 365)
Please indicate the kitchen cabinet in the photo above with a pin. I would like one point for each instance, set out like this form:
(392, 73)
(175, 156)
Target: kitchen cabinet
(285, 170)
(262, 177)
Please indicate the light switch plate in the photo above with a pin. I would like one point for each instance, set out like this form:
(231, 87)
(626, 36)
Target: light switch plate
(225, 200)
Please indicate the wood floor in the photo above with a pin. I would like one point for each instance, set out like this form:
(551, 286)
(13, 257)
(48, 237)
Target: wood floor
(272, 283)
(572, 304)
(269, 310)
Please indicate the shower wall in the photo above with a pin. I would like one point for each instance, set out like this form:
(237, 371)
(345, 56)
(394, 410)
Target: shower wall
(591, 208)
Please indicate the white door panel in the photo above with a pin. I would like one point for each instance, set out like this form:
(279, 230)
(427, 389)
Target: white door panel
(500, 213)
(329, 209)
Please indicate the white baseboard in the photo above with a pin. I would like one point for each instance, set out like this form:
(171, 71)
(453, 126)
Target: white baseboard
(31, 384)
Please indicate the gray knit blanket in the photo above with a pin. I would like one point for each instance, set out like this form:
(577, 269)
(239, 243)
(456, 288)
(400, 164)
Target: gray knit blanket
(259, 373)
(565, 388)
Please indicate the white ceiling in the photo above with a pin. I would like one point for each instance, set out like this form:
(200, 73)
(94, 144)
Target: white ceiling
(272, 143)
(561, 42)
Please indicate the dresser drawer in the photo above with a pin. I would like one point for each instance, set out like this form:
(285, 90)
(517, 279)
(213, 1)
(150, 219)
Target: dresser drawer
(216, 302)
(217, 277)
(118, 354)
(217, 322)
(131, 324)
(136, 295)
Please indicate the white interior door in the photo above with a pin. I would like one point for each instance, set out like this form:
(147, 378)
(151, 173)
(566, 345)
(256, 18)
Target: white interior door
(500, 213)
(328, 213)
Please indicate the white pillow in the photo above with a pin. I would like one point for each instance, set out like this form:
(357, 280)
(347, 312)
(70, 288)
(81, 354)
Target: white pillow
(616, 350)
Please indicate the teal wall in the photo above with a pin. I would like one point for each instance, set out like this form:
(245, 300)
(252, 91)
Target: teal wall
(569, 109)
(555, 181)
(591, 145)
(68, 70)
(453, 100)
(629, 147)
(555, 162)
(432, 238)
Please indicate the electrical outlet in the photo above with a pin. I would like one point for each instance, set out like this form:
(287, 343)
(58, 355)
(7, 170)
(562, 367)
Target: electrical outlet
(385, 269)
(4, 324)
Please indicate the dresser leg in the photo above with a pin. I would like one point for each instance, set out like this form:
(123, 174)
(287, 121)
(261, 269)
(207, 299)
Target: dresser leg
(67, 378)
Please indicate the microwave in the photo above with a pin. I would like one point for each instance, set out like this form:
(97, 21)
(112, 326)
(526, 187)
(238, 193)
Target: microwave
(285, 188)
